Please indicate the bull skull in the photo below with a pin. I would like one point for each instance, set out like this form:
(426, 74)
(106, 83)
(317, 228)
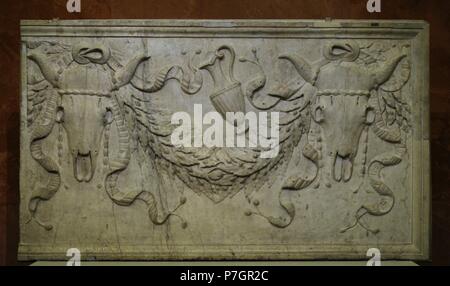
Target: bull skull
(84, 108)
(341, 103)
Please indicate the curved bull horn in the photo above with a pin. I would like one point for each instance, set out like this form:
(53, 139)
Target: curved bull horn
(48, 71)
(304, 68)
(126, 73)
(383, 73)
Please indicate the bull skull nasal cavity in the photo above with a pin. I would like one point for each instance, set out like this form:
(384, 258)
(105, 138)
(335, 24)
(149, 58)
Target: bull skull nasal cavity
(83, 167)
(342, 168)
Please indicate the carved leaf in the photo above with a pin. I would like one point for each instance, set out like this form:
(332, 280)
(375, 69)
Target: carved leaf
(394, 109)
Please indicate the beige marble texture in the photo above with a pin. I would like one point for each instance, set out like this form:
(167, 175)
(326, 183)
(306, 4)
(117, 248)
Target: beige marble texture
(99, 171)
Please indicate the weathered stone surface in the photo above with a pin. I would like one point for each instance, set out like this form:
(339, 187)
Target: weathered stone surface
(99, 171)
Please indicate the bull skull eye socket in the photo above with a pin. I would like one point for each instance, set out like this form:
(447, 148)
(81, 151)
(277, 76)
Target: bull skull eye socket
(60, 114)
(108, 117)
(318, 114)
(370, 115)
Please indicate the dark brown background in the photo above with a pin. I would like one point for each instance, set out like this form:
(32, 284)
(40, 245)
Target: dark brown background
(435, 12)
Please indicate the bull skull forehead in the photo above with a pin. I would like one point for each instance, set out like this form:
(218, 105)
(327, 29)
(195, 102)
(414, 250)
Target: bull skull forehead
(88, 76)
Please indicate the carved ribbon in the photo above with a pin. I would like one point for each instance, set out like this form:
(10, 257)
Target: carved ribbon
(87, 53)
(190, 82)
(375, 166)
(387, 200)
(41, 131)
(117, 165)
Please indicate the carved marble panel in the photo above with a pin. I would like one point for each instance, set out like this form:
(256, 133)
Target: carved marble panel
(101, 173)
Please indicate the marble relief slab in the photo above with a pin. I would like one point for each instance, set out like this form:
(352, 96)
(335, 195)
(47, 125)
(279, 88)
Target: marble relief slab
(343, 104)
